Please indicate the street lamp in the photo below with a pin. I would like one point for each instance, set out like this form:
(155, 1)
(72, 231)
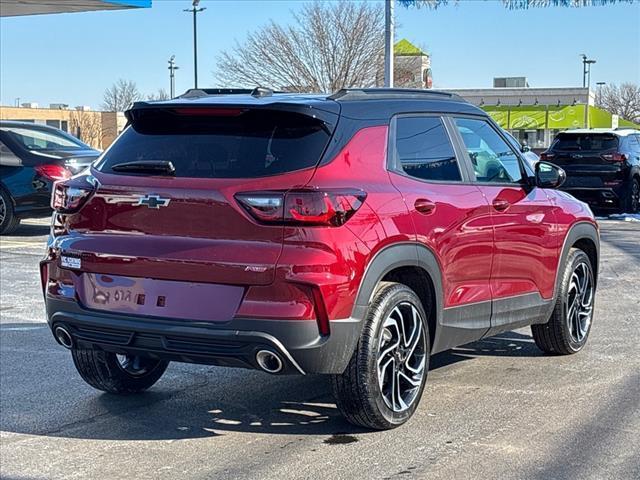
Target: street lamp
(195, 11)
(172, 75)
(599, 93)
(586, 71)
(388, 42)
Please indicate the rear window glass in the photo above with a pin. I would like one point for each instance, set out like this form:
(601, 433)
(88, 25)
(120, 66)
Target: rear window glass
(225, 143)
(585, 142)
(34, 139)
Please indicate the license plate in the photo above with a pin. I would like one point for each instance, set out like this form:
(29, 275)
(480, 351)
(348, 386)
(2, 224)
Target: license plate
(162, 298)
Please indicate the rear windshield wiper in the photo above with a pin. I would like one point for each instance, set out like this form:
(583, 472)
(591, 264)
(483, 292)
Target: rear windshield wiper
(160, 167)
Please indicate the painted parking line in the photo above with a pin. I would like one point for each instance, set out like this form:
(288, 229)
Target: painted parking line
(18, 243)
(21, 329)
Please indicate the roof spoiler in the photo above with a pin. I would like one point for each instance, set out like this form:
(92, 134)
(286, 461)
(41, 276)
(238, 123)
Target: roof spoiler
(257, 92)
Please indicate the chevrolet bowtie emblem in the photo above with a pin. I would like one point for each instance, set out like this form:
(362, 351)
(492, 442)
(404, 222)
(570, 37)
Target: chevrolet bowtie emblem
(153, 201)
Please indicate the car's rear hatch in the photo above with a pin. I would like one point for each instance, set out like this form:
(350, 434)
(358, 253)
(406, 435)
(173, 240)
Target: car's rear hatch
(146, 221)
(588, 158)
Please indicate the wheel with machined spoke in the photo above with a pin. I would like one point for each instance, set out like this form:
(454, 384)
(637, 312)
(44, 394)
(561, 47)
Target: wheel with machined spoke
(632, 202)
(384, 380)
(579, 305)
(8, 220)
(568, 328)
(401, 362)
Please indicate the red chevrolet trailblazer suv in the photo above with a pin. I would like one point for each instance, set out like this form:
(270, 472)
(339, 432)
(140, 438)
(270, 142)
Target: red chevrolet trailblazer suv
(353, 235)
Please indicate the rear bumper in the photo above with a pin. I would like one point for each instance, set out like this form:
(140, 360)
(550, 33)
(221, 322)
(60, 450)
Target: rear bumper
(604, 197)
(233, 344)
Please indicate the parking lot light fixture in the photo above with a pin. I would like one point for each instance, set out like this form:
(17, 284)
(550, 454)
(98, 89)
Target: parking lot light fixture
(195, 9)
(172, 75)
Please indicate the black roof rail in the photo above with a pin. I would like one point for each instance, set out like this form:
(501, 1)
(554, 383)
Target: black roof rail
(257, 92)
(378, 93)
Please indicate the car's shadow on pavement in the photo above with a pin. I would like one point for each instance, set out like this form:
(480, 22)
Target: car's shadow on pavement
(31, 230)
(43, 395)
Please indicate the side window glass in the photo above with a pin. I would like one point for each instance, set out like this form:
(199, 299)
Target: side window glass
(493, 159)
(7, 157)
(424, 150)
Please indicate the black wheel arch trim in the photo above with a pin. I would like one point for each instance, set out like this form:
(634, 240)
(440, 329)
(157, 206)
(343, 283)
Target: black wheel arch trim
(405, 254)
(581, 230)
(578, 231)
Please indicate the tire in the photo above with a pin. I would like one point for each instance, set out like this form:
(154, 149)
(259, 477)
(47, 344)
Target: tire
(568, 329)
(8, 220)
(358, 391)
(105, 371)
(632, 200)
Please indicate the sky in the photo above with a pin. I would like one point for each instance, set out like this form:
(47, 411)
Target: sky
(72, 58)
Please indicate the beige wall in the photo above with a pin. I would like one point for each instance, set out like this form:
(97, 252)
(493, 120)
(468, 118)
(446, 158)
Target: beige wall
(98, 129)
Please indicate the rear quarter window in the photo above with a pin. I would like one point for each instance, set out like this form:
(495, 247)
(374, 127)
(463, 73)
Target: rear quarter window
(228, 143)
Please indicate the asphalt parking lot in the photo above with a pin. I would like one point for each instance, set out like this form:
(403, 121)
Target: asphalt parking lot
(498, 408)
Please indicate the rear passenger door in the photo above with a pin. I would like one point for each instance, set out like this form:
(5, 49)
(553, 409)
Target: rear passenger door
(451, 218)
(526, 243)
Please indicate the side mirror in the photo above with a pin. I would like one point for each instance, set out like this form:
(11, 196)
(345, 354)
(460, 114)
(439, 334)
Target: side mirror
(525, 148)
(549, 175)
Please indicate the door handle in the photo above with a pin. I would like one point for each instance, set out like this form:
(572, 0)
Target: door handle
(500, 205)
(424, 206)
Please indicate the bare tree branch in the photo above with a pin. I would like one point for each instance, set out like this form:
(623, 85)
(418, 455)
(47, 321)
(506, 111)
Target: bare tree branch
(328, 47)
(87, 126)
(119, 96)
(623, 100)
(161, 94)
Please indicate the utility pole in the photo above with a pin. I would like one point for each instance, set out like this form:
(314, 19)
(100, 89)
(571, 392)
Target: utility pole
(195, 11)
(172, 75)
(389, 23)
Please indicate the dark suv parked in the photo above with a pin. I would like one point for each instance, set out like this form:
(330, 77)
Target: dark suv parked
(602, 166)
(32, 157)
(353, 235)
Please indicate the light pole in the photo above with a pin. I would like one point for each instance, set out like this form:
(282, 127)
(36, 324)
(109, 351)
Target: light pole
(172, 75)
(586, 71)
(599, 92)
(388, 42)
(195, 11)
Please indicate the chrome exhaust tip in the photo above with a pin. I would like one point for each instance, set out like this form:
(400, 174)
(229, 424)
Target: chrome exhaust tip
(63, 336)
(269, 361)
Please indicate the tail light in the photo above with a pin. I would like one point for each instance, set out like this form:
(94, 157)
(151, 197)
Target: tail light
(70, 195)
(328, 208)
(546, 156)
(614, 157)
(53, 172)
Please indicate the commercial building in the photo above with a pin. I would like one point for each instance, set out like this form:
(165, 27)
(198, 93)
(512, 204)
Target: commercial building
(535, 115)
(411, 66)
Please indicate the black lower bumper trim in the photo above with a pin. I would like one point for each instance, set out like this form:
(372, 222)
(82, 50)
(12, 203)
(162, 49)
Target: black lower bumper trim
(234, 344)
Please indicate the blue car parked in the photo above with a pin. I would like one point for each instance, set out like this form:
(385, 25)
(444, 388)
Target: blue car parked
(32, 157)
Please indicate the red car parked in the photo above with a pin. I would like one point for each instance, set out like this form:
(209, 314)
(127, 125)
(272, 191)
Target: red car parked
(354, 235)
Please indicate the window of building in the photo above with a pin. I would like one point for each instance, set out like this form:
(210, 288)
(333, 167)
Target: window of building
(493, 159)
(424, 150)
